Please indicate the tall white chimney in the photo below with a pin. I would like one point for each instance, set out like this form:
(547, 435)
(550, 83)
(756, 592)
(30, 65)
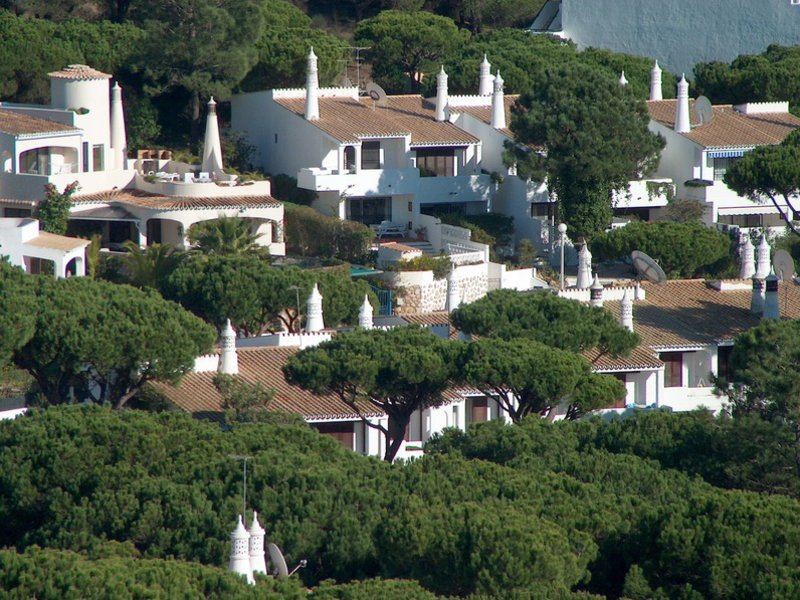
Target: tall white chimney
(240, 552)
(757, 300)
(312, 88)
(626, 311)
(441, 95)
(256, 547)
(498, 104)
(682, 122)
(596, 293)
(119, 143)
(655, 82)
(771, 307)
(365, 314)
(747, 256)
(228, 359)
(584, 268)
(486, 79)
(763, 262)
(623, 81)
(314, 320)
(453, 293)
(212, 148)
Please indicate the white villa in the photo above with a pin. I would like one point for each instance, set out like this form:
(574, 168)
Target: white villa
(27, 247)
(687, 330)
(702, 144)
(81, 137)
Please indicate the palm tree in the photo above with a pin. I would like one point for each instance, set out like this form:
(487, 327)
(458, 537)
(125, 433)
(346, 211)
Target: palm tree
(224, 235)
(148, 267)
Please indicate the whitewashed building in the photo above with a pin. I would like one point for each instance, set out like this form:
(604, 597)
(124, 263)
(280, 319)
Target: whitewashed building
(27, 247)
(80, 137)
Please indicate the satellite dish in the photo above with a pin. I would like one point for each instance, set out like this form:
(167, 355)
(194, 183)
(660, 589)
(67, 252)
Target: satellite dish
(783, 263)
(377, 94)
(277, 560)
(703, 111)
(647, 268)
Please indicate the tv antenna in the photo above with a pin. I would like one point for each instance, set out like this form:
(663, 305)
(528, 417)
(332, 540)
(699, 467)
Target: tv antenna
(279, 562)
(377, 94)
(703, 111)
(244, 460)
(647, 268)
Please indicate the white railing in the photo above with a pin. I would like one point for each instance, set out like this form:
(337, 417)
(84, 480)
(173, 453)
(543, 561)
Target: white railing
(452, 231)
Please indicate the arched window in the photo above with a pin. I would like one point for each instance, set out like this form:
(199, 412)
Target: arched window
(349, 158)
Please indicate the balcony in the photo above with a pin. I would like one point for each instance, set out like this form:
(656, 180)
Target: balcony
(644, 193)
(366, 182)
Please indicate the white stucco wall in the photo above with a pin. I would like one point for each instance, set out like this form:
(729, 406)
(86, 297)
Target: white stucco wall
(681, 33)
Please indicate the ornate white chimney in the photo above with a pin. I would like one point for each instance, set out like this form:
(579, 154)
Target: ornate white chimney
(441, 95)
(655, 82)
(486, 79)
(584, 268)
(763, 262)
(771, 306)
(240, 552)
(682, 122)
(596, 292)
(314, 321)
(747, 256)
(498, 104)
(212, 148)
(256, 547)
(453, 293)
(119, 144)
(623, 81)
(757, 300)
(365, 314)
(228, 359)
(626, 311)
(312, 88)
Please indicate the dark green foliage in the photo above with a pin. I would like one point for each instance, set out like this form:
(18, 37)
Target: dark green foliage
(595, 139)
(396, 371)
(309, 233)
(53, 210)
(546, 318)
(224, 236)
(256, 297)
(683, 250)
(243, 401)
(92, 338)
(769, 76)
(528, 377)
(284, 188)
(493, 229)
(17, 308)
(150, 266)
(524, 512)
(52, 575)
(404, 45)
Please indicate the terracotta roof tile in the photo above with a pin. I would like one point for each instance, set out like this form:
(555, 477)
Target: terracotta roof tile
(155, 201)
(400, 247)
(349, 120)
(79, 72)
(484, 113)
(196, 392)
(640, 358)
(17, 123)
(729, 128)
(57, 242)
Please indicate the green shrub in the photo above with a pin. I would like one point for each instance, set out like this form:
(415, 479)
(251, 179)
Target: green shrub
(440, 265)
(309, 233)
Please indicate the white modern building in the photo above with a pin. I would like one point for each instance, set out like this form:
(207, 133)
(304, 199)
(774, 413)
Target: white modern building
(681, 32)
(703, 141)
(80, 137)
(27, 247)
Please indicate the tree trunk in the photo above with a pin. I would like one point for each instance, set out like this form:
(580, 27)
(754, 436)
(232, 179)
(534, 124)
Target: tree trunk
(394, 437)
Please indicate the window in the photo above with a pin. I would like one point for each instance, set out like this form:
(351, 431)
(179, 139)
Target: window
(350, 159)
(17, 212)
(414, 427)
(479, 410)
(622, 402)
(97, 158)
(724, 360)
(673, 368)
(85, 155)
(370, 211)
(343, 432)
(721, 165)
(436, 161)
(541, 210)
(370, 155)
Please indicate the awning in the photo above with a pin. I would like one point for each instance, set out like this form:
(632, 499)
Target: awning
(753, 209)
(727, 153)
(105, 213)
